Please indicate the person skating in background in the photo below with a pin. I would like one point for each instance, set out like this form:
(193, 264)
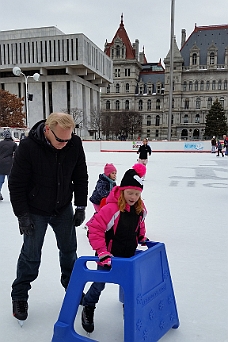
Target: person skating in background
(105, 183)
(49, 169)
(7, 150)
(225, 144)
(143, 151)
(213, 144)
(219, 148)
(115, 231)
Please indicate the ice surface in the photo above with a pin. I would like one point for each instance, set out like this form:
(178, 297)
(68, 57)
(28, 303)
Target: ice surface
(186, 195)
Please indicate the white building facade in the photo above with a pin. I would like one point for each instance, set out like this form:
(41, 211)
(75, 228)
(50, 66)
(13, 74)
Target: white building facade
(72, 70)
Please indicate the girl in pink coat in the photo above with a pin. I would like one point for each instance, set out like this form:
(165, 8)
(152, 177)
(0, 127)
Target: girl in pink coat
(116, 230)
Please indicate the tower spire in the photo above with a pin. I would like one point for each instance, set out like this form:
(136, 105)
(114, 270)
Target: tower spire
(121, 19)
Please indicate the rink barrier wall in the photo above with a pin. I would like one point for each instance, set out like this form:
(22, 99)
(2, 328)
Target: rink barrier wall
(156, 146)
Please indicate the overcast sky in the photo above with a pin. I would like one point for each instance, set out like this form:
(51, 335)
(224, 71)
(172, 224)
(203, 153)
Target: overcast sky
(147, 20)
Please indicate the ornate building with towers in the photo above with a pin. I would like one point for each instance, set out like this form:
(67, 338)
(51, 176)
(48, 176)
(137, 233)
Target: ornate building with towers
(200, 76)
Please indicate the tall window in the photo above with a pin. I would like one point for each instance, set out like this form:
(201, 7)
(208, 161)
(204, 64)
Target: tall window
(212, 58)
(127, 87)
(202, 85)
(225, 85)
(186, 118)
(117, 105)
(185, 86)
(213, 85)
(198, 103)
(196, 85)
(186, 104)
(157, 121)
(108, 89)
(118, 51)
(148, 120)
(221, 100)
(190, 86)
(140, 105)
(194, 59)
(117, 72)
(158, 104)
(209, 102)
(149, 105)
(219, 85)
(127, 72)
(108, 105)
(127, 104)
(208, 85)
(197, 118)
(117, 88)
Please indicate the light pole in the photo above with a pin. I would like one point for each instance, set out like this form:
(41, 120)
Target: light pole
(171, 70)
(17, 72)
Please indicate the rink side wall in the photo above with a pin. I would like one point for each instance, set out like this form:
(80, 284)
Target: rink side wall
(156, 146)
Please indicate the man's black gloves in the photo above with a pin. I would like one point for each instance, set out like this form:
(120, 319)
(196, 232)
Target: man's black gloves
(26, 226)
(79, 216)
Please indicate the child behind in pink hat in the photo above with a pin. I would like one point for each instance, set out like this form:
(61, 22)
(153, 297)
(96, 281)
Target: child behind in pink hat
(105, 183)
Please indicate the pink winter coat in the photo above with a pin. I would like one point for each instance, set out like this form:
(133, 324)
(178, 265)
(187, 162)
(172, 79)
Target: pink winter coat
(107, 218)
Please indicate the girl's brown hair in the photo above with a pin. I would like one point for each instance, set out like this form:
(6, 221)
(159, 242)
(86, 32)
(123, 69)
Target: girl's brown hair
(122, 203)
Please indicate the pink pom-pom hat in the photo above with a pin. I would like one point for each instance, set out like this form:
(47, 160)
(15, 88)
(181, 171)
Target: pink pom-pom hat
(132, 178)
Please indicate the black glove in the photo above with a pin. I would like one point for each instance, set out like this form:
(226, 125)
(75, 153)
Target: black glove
(26, 226)
(79, 216)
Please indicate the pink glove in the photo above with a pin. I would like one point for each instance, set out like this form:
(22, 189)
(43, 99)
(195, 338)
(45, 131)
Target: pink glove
(105, 258)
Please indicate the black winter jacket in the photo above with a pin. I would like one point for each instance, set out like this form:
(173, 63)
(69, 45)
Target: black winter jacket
(43, 179)
(7, 149)
(143, 151)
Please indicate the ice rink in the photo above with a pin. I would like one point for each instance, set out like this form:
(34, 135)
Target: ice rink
(186, 195)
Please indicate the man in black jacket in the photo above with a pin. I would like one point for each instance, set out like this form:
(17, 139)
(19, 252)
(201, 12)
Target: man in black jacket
(49, 168)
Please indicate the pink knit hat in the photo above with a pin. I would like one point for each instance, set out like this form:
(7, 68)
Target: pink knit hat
(109, 168)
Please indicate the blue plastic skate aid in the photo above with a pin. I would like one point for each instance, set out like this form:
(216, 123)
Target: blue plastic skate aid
(145, 288)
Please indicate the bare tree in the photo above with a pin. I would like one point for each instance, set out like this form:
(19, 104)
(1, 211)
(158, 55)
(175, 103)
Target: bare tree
(77, 116)
(122, 124)
(95, 122)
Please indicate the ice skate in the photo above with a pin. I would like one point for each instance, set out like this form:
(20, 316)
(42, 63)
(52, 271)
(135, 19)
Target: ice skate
(20, 311)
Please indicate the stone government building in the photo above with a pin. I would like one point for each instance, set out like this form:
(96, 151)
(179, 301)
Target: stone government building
(200, 75)
(72, 71)
(76, 74)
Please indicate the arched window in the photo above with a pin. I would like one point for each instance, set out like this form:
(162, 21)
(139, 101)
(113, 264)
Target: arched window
(184, 134)
(185, 86)
(197, 118)
(208, 85)
(117, 51)
(186, 118)
(157, 121)
(140, 105)
(117, 105)
(198, 103)
(209, 102)
(225, 85)
(219, 85)
(108, 89)
(202, 85)
(117, 88)
(108, 105)
(158, 102)
(149, 105)
(212, 58)
(127, 104)
(190, 86)
(127, 87)
(148, 120)
(194, 59)
(221, 100)
(213, 85)
(196, 85)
